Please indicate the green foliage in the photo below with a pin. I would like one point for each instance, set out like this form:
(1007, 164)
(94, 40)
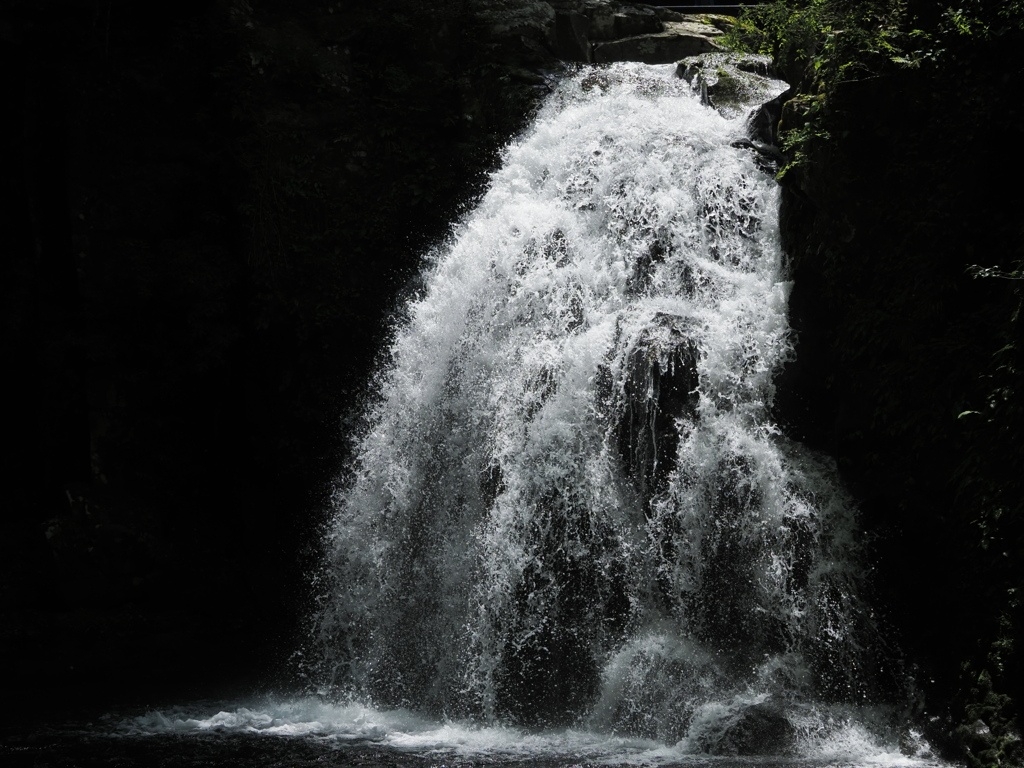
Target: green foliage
(989, 731)
(801, 126)
(820, 45)
(852, 38)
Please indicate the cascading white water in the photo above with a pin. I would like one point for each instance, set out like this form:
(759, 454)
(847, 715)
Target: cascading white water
(572, 504)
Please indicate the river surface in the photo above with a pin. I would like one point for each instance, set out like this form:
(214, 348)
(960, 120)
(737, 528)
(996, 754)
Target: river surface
(307, 732)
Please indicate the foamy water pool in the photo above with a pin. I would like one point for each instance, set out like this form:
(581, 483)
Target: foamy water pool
(310, 731)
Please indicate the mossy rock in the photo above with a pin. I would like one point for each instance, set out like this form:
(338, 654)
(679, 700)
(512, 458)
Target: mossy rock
(718, 20)
(731, 82)
(799, 111)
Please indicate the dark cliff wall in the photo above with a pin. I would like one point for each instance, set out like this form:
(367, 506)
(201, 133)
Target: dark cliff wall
(909, 359)
(208, 210)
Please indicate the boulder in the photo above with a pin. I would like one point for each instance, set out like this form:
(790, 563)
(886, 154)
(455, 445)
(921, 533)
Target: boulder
(571, 42)
(679, 40)
(669, 14)
(752, 729)
(598, 31)
(634, 20)
(602, 18)
(731, 82)
(763, 124)
(529, 19)
(766, 155)
(660, 390)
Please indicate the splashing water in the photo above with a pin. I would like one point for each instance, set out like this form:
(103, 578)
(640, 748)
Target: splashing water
(574, 531)
(572, 506)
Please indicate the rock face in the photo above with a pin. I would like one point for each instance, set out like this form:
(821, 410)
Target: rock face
(678, 40)
(882, 223)
(665, 364)
(516, 17)
(601, 31)
(727, 81)
(209, 273)
(730, 82)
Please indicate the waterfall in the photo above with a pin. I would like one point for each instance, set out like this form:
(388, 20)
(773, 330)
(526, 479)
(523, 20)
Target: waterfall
(571, 504)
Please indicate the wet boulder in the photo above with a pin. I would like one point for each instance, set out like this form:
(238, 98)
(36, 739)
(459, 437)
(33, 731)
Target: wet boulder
(747, 729)
(571, 42)
(660, 388)
(634, 20)
(731, 82)
(763, 123)
(676, 41)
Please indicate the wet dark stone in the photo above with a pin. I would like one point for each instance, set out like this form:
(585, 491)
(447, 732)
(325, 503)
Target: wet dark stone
(660, 388)
(763, 123)
(636, 21)
(571, 43)
(759, 729)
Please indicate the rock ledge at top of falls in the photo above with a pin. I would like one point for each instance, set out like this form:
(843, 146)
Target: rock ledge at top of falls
(729, 82)
(678, 40)
(600, 31)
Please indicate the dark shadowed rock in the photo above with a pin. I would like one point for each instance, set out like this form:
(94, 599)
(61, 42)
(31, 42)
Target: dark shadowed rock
(756, 729)
(602, 19)
(660, 389)
(632, 20)
(516, 21)
(601, 31)
(763, 123)
(571, 43)
(677, 41)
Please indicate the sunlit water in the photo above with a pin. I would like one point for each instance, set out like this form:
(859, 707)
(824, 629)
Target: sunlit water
(301, 732)
(574, 532)
(405, 733)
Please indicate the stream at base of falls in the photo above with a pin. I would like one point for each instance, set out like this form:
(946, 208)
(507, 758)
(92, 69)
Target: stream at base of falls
(309, 732)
